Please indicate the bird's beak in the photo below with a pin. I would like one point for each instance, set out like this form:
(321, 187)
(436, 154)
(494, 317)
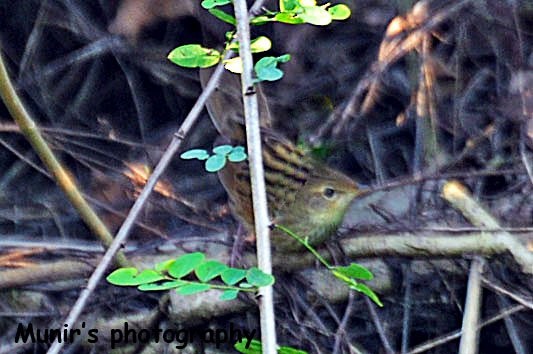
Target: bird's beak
(363, 190)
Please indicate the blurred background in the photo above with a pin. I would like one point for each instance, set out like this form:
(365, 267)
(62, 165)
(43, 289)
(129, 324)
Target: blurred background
(403, 94)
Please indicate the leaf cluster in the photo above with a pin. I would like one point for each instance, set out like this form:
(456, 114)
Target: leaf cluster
(221, 155)
(292, 12)
(191, 274)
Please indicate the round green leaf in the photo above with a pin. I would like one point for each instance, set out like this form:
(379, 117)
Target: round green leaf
(185, 264)
(260, 44)
(162, 286)
(229, 294)
(223, 149)
(237, 156)
(192, 288)
(356, 271)
(258, 278)
(234, 65)
(266, 69)
(131, 277)
(232, 276)
(288, 5)
(339, 12)
(199, 154)
(209, 270)
(209, 4)
(316, 15)
(194, 56)
(215, 163)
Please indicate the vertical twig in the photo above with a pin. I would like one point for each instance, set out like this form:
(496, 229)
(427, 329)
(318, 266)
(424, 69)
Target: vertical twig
(379, 328)
(407, 303)
(259, 199)
(469, 331)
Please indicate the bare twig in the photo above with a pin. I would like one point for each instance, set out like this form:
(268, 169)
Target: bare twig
(505, 292)
(457, 195)
(377, 323)
(514, 333)
(259, 198)
(454, 335)
(469, 332)
(46, 272)
(437, 245)
(341, 329)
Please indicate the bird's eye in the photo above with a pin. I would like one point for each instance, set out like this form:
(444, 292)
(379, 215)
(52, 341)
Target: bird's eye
(329, 192)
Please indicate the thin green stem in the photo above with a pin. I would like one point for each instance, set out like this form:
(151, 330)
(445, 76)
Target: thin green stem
(305, 244)
(213, 286)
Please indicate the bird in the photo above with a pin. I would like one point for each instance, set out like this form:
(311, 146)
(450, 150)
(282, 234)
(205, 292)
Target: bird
(303, 194)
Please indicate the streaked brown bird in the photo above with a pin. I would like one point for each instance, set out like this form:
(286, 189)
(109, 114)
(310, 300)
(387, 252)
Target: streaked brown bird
(303, 194)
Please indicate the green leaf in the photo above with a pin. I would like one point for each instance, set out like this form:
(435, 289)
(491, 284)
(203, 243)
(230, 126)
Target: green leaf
(316, 15)
(194, 56)
(362, 288)
(356, 271)
(288, 5)
(232, 276)
(266, 68)
(245, 285)
(257, 45)
(209, 270)
(223, 16)
(132, 277)
(260, 20)
(260, 44)
(192, 288)
(234, 65)
(237, 156)
(339, 12)
(185, 264)
(229, 294)
(209, 4)
(289, 18)
(258, 278)
(254, 348)
(161, 286)
(215, 163)
(199, 154)
(163, 266)
(290, 350)
(284, 58)
(223, 149)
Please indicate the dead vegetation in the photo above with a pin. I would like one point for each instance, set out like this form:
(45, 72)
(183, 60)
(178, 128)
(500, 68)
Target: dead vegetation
(403, 98)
